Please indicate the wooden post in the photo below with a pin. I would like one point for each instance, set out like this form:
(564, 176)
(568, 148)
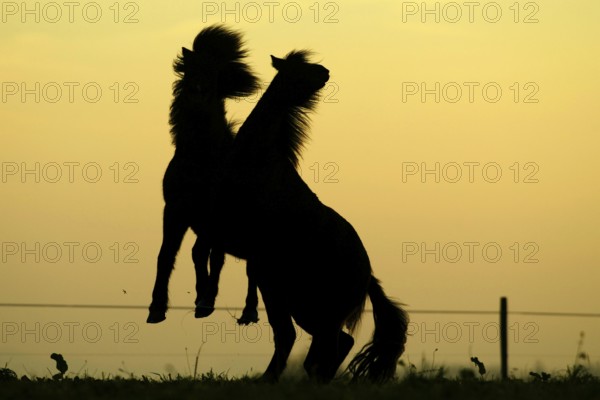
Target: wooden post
(503, 339)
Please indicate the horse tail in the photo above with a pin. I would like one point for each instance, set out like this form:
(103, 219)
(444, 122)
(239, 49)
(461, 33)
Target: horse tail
(353, 320)
(377, 359)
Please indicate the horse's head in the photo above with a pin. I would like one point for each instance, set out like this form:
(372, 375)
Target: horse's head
(300, 80)
(215, 67)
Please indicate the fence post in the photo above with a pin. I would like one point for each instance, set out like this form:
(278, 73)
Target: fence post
(503, 339)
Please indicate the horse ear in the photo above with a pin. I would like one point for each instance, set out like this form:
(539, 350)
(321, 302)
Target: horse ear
(277, 63)
(186, 53)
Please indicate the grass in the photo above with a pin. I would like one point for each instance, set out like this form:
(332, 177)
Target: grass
(428, 383)
(213, 386)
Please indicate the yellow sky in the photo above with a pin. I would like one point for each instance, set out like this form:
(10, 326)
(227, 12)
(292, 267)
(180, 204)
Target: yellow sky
(371, 138)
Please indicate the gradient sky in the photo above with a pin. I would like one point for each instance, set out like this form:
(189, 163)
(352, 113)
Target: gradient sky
(377, 132)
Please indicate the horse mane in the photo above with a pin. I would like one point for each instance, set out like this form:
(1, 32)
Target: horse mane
(221, 46)
(299, 56)
(177, 105)
(222, 43)
(294, 131)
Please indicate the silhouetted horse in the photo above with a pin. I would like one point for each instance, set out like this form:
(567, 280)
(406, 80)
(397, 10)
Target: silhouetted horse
(309, 262)
(202, 137)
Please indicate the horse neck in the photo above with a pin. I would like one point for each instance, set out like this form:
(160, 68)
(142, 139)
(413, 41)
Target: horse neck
(199, 130)
(259, 133)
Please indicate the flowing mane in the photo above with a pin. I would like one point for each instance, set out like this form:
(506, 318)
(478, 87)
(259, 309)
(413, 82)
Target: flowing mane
(222, 51)
(299, 56)
(294, 130)
(281, 118)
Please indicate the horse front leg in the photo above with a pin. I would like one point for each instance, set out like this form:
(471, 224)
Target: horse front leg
(174, 228)
(205, 304)
(217, 260)
(250, 313)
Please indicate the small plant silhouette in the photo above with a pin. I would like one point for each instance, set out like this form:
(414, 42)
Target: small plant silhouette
(479, 365)
(543, 377)
(7, 374)
(61, 366)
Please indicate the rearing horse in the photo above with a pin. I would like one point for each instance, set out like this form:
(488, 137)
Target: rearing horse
(308, 261)
(210, 73)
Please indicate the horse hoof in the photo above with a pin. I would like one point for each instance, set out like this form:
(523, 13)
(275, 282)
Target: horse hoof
(248, 317)
(268, 378)
(156, 317)
(203, 311)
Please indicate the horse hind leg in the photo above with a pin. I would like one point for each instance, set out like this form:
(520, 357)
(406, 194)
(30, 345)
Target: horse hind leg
(326, 354)
(346, 341)
(250, 312)
(284, 336)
